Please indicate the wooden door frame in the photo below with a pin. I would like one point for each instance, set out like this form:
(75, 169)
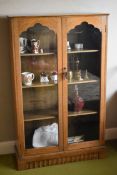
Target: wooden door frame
(17, 26)
(68, 23)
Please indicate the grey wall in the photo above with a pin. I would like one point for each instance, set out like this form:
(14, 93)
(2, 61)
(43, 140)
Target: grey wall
(52, 7)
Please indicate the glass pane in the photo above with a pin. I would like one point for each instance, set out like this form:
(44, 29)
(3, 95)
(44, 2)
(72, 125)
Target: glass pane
(38, 50)
(84, 57)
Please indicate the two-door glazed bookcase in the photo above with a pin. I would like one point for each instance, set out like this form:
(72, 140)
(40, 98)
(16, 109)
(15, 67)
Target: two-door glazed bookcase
(59, 80)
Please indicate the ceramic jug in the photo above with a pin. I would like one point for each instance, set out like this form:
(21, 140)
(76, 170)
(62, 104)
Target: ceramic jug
(35, 44)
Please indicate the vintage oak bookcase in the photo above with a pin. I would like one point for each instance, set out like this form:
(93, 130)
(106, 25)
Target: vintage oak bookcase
(67, 113)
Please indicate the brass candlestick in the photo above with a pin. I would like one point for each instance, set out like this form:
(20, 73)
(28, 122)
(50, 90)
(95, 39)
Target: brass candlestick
(86, 75)
(70, 75)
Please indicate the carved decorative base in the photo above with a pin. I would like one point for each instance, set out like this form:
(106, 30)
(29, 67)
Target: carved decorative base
(29, 162)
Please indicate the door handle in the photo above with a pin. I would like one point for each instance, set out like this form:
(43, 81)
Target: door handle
(64, 73)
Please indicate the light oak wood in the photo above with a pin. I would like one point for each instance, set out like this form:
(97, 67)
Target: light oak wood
(34, 117)
(30, 118)
(40, 85)
(40, 115)
(55, 98)
(81, 51)
(70, 23)
(60, 158)
(81, 113)
(82, 81)
(38, 54)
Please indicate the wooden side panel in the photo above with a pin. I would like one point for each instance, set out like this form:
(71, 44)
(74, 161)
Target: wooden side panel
(15, 63)
(103, 79)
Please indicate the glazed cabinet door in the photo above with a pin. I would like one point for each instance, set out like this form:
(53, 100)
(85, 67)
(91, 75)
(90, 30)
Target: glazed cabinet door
(37, 70)
(84, 64)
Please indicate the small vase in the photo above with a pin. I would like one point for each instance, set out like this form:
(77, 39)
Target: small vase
(78, 101)
(78, 104)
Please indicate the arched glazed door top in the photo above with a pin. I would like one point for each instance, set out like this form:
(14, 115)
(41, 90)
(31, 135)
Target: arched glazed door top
(85, 39)
(72, 21)
(41, 36)
(87, 34)
(53, 23)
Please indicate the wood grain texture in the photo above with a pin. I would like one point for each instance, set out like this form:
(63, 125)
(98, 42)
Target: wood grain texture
(60, 158)
(99, 22)
(56, 94)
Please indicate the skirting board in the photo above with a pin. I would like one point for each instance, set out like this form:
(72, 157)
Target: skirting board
(8, 147)
(111, 134)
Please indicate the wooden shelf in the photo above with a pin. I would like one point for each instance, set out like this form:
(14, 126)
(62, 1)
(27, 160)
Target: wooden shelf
(81, 51)
(39, 85)
(52, 53)
(81, 81)
(29, 118)
(38, 54)
(83, 112)
(40, 115)
(92, 79)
